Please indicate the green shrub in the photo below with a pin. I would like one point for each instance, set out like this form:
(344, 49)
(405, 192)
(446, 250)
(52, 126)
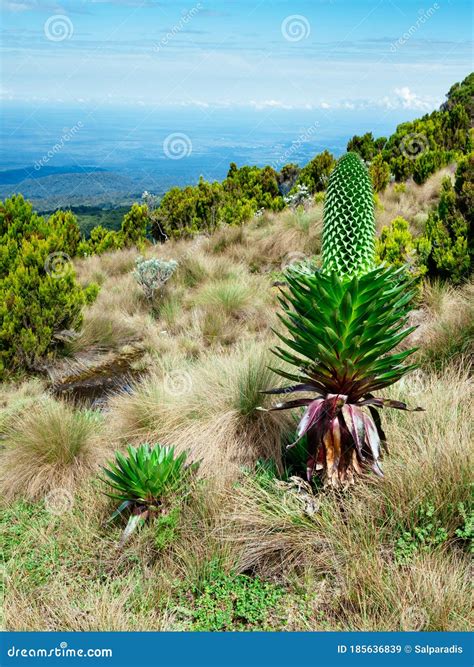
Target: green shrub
(380, 173)
(397, 247)
(363, 145)
(315, 174)
(464, 188)
(227, 602)
(427, 534)
(134, 226)
(466, 531)
(445, 245)
(38, 292)
(63, 224)
(401, 167)
(428, 163)
(101, 240)
(91, 292)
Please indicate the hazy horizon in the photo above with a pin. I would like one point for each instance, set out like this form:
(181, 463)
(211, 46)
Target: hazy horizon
(160, 93)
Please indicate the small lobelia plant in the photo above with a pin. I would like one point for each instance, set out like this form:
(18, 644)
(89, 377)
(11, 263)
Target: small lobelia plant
(143, 480)
(152, 274)
(343, 323)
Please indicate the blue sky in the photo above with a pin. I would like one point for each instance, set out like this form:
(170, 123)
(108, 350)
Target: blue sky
(261, 54)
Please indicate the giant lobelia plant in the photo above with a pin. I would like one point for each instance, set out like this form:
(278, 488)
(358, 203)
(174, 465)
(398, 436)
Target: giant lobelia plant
(343, 323)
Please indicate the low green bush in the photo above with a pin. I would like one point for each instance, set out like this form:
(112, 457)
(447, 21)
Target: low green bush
(427, 534)
(397, 247)
(39, 295)
(226, 602)
(444, 245)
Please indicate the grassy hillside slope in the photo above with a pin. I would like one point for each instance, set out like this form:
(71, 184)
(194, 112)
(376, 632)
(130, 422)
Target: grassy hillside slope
(250, 547)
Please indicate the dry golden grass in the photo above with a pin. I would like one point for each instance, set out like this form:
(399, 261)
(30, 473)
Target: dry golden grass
(70, 608)
(50, 446)
(411, 201)
(206, 359)
(206, 407)
(97, 268)
(447, 328)
(351, 539)
(15, 398)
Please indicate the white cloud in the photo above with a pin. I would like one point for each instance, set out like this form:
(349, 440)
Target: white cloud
(17, 5)
(269, 104)
(409, 100)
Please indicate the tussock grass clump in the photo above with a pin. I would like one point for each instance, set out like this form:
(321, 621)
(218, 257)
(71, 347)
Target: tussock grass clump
(17, 398)
(447, 332)
(353, 539)
(208, 408)
(51, 445)
(97, 268)
(230, 296)
(387, 555)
